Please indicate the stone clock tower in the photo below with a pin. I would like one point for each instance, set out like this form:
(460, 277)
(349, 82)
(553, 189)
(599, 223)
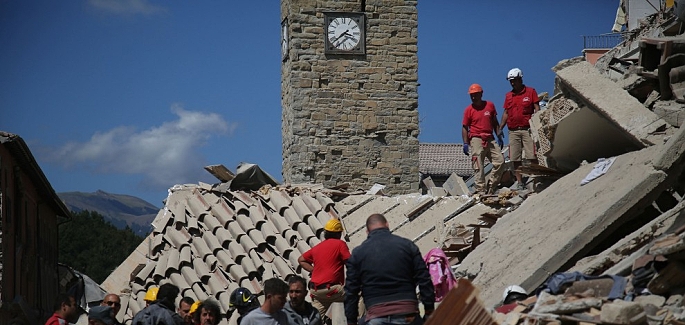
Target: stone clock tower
(349, 79)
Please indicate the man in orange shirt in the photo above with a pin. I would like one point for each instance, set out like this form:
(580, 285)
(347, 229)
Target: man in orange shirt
(326, 262)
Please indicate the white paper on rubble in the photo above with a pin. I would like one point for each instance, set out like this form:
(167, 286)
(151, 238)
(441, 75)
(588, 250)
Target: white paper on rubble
(601, 168)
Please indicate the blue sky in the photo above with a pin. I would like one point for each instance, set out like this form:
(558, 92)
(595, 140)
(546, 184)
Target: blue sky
(134, 96)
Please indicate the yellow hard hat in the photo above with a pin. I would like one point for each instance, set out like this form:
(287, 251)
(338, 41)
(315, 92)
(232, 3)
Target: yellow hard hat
(333, 225)
(151, 294)
(193, 307)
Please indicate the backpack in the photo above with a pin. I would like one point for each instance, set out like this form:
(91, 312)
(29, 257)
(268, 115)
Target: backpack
(441, 274)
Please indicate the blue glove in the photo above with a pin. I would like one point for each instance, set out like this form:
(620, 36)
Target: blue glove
(466, 149)
(500, 142)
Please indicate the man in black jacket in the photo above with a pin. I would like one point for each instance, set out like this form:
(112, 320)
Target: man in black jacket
(161, 311)
(386, 269)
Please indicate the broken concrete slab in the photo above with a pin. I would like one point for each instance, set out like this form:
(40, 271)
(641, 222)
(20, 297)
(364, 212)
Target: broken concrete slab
(519, 249)
(622, 109)
(623, 312)
(456, 186)
(556, 304)
(670, 111)
(562, 147)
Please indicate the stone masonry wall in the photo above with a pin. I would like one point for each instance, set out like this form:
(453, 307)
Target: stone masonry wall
(351, 119)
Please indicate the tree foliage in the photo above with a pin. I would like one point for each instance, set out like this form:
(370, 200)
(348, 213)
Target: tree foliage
(93, 246)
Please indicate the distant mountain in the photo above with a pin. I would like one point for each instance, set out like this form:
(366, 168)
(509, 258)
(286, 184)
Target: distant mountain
(118, 209)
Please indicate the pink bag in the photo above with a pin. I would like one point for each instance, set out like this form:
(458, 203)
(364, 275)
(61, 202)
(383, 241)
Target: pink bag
(441, 274)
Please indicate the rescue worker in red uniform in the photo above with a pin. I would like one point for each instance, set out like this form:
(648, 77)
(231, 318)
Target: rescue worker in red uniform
(478, 125)
(519, 106)
(326, 262)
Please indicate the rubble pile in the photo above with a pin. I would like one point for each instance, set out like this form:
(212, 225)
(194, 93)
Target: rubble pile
(606, 201)
(652, 294)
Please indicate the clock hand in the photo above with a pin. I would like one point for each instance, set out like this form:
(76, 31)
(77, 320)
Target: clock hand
(340, 36)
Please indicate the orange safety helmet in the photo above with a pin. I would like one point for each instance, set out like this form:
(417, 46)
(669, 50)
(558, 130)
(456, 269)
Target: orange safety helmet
(475, 88)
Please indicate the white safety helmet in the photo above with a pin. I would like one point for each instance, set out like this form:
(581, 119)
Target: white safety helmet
(514, 73)
(513, 289)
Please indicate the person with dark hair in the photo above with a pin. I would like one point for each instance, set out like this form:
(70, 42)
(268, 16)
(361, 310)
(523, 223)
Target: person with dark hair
(298, 310)
(65, 309)
(161, 311)
(326, 262)
(388, 282)
(184, 309)
(208, 313)
(271, 311)
(243, 301)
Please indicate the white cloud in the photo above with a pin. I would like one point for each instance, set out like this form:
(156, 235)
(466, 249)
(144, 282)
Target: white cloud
(164, 155)
(127, 7)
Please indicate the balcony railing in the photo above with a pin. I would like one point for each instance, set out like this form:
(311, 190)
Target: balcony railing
(604, 41)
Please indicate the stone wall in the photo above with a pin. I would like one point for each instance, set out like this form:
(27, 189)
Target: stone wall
(351, 119)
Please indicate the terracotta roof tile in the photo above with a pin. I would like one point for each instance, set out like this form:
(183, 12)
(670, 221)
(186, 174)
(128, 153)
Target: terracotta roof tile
(209, 243)
(444, 159)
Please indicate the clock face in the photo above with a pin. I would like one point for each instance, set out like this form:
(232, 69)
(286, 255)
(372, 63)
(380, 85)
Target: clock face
(344, 33)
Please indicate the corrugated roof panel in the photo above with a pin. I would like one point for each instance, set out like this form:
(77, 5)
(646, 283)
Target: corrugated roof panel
(256, 259)
(305, 231)
(199, 291)
(245, 222)
(301, 208)
(312, 204)
(269, 232)
(325, 202)
(222, 212)
(279, 200)
(256, 237)
(223, 236)
(323, 217)
(211, 222)
(236, 230)
(313, 241)
(291, 217)
(257, 215)
(185, 256)
(247, 243)
(157, 243)
(241, 208)
(225, 260)
(177, 238)
(236, 250)
(145, 272)
(282, 268)
(223, 298)
(278, 221)
(302, 247)
(201, 270)
(161, 267)
(200, 247)
(237, 272)
(162, 220)
(282, 247)
(189, 274)
(177, 279)
(211, 261)
(243, 197)
(212, 242)
(196, 207)
(191, 224)
(291, 236)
